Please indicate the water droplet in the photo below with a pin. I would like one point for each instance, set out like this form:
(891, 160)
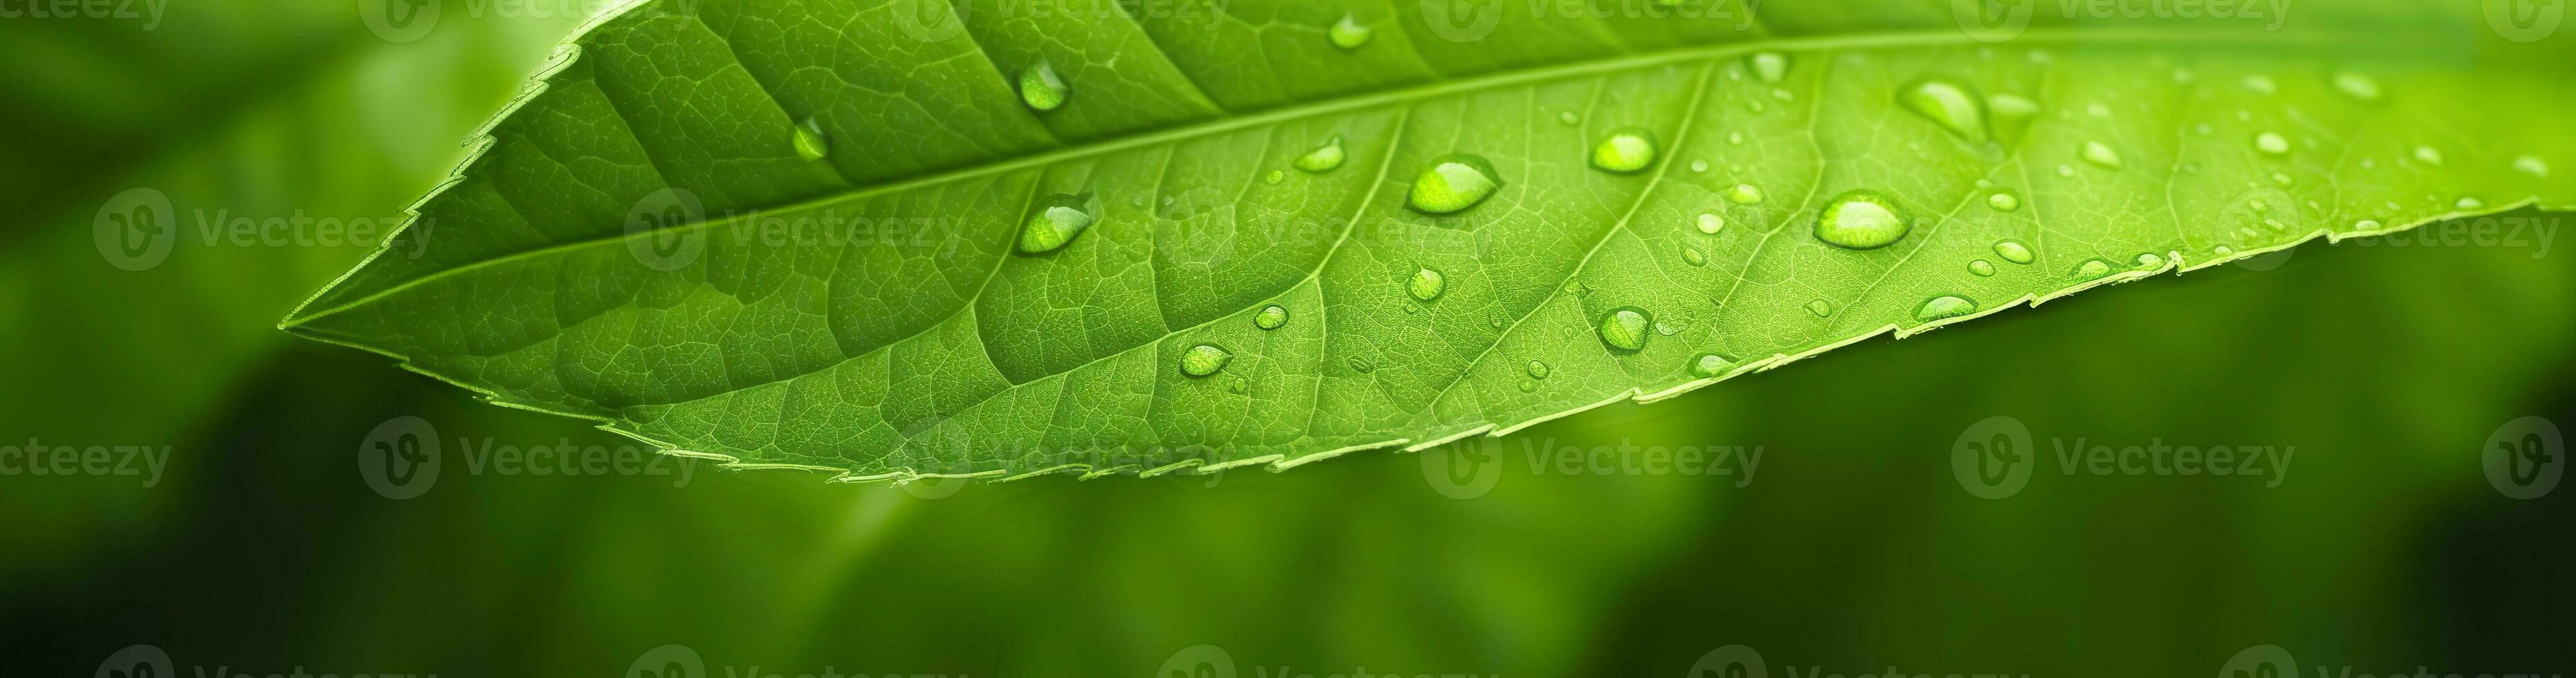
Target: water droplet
(1861, 220)
(2271, 143)
(1323, 158)
(1528, 386)
(1710, 223)
(2093, 268)
(2012, 114)
(1362, 365)
(1275, 176)
(1945, 306)
(1426, 284)
(1054, 221)
(1820, 308)
(1735, 138)
(2004, 201)
(1537, 369)
(1744, 194)
(809, 141)
(1453, 182)
(2150, 259)
(2357, 86)
(2428, 154)
(1204, 359)
(2366, 225)
(1691, 255)
(1948, 103)
(1698, 166)
(1623, 329)
(1981, 267)
(2532, 165)
(1667, 329)
(1708, 365)
(2065, 171)
(2282, 179)
(1627, 149)
(1271, 317)
(2470, 203)
(1349, 33)
(2261, 83)
(2100, 155)
(1041, 88)
(1783, 94)
(1568, 117)
(2222, 250)
(1769, 66)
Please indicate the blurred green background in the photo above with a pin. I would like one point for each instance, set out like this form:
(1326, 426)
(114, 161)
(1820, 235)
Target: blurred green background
(1852, 547)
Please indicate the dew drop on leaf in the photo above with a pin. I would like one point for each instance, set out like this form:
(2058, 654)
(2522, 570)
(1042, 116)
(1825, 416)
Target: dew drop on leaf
(1537, 369)
(2469, 203)
(1949, 103)
(1710, 223)
(2150, 259)
(1568, 117)
(1275, 176)
(1692, 256)
(1041, 89)
(2261, 83)
(2093, 268)
(1820, 308)
(2100, 155)
(1204, 359)
(1708, 365)
(1453, 182)
(1627, 149)
(1270, 317)
(1944, 306)
(1349, 33)
(809, 141)
(2271, 143)
(2013, 251)
(2428, 154)
(1981, 267)
(2003, 201)
(1699, 166)
(1426, 284)
(2532, 165)
(1624, 329)
(1744, 194)
(2359, 87)
(1769, 66)
(1860, 220)
(1323, 158)
(1054, 221)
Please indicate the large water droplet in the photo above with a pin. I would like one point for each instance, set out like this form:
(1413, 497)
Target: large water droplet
(1624, 329)
(1054, 221)
(1769, 66)
(1453, 182)
(1204, 359)
(1270, 317)
(1349, 33)
(1945, 306)
(2357, 86)
(1041, 88)
(1627, 149)
(2003, 201)
(2100, 155)
(1744, 194)
(1426, 284)
(1708, 365)
(2271, 143)
(1323, 158)
(810, 143)
(1537, 369)
(1861, 220)
(1710, 223)
(2013, 251)
(1949, 103)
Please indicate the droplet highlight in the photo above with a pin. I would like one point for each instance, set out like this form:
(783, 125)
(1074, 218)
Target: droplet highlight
(2100, 155)
(1426, 284)
(1951, 104)
(1204, 359)
(1452, 183)
(1041, 88)
(1322, 158)
(1624, 329)
(1945, 306)
(1862, 219)
(1054, 221)
(2014, 251)
(809, 142)
(1270, 317)
(1627, 149)
(1349, 33)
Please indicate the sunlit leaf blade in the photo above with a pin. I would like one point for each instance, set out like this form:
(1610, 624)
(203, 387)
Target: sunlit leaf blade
(894, 239)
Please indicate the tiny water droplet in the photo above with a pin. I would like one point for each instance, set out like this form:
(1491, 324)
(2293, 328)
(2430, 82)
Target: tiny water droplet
(1054, 221)
(1537, 369)
(1820, 308)
(2100, 155)
(2260, 83)
(1041, 89)
(2366, 225)
(2013, 251)
(1769, 66)
(1204, 359)
(1362, 365)
(1627, 149)
(1698, 166)
(1691, 255)
(1349, 33)
(2470, 203)
(2532, 165)
(1744, 194)
(1862, 219)
(2004, 201)
(1623, 329)
(1710, 223)
(2271, 143)
(2282, 179)
(1708, 365)
(1426, 284)
(1528, 386)
(2065, 170)
(1951, 104)
(1783, 94)
(810, 143)
(1945, 306)
(2358, 86)
(1271, 317)
(1568, 117)
(2150, 259)
(2428, 154)
(1275, 176)
(1981, 267)
(2093, 268)
(1323, 158)
(1667, 329)
(2222, 250)
(1453, 182)
(1735, 138)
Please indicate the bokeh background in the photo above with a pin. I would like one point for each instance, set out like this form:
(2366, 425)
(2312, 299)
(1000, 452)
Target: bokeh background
(1852, 547)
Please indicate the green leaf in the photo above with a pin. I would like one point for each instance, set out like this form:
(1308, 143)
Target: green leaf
(960, 283)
